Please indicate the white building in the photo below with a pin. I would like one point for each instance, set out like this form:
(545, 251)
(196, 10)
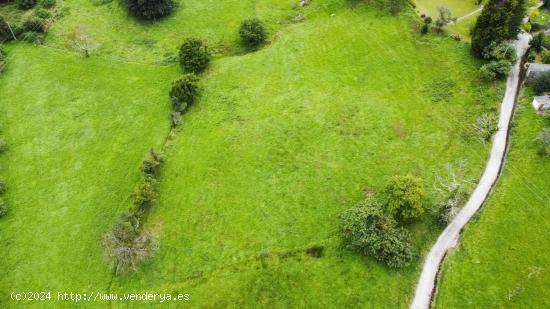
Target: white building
(534, 69)
(541, 103)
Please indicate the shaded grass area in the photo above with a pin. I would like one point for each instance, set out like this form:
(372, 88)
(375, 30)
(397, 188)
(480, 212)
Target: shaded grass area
(284, 139)
(77, 130)
(502, 260)
(122, 36)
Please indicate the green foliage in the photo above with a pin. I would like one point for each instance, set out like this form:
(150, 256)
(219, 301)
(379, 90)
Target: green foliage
(405, 197)
(41, 13)
(499, 20)
(541, 83)
(543, 140)
(537, 42)
(3, 145)
(501, 51)
(3, 208)
(144, 194)
(25, 4)
(194, 55)
(150, 9)
(47, 4)
(183, 92)
(545, 56)
(5, 33)
(34, 25)
(252, 33)
(532, 56)
(425, 28)
(368, 230)
(495, 70)
(151, 165)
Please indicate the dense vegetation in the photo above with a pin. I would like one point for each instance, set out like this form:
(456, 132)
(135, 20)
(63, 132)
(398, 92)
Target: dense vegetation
(150, 9)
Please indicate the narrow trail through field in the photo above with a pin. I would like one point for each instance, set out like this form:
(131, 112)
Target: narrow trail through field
(469, 14)
(448, 239)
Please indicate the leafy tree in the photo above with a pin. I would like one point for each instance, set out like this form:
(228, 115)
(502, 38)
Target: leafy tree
(537, 42)
(405, 197)
(183, 92)
(25, 4)
(151, 165)
(444, 17)
(498, 22)
(543, 140)
(501, 51)
(368, 230)
(252, 33)
(194, 55)
(150, 9)
(144, 194)
(541, 83)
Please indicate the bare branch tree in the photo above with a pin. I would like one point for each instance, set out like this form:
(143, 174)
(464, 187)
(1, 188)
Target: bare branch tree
(80, 40)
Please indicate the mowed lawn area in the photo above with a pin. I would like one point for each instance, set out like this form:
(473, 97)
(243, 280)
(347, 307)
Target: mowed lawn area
(284, 139)
(77, 130)
(503, 259)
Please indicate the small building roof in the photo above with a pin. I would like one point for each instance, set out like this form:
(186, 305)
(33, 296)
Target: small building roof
(536, 68)
(543, 99)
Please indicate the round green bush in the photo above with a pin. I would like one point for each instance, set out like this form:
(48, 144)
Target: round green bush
(46, 3)
(541, 83)
(368, 230)
(25, 4)
(252, 33)
(183, 92)
(405, 197)
(34, 25)
(194, 55)
(43, 14)
(150, 9)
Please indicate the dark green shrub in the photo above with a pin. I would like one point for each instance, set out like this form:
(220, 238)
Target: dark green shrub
(183, 92)
(425, 28)
(25, 4)
(43, 14)
(150, 9)
(5, 33)
(501, 51)
(194, 55)
(405, 197)
(541, 83)
(2, 187)
(545, 56)
(47, 3)
(532, 56)
(34, 25)
(495, 70)
(252, 33)
(3, 208)
(144, 194)
(151, 165)
(543, 140)
(368, 230)
(537, 41)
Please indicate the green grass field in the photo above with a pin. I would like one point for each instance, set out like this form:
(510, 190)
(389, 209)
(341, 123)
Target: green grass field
(77, 130)
(280, 143)
(458, 7)
(501, 260)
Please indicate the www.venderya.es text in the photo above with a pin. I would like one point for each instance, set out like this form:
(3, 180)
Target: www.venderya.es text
(46, 296)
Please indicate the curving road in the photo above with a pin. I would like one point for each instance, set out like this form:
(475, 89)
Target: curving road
(449, 237)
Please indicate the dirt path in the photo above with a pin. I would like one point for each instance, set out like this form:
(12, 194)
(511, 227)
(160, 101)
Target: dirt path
(449, 237)
(469, 14)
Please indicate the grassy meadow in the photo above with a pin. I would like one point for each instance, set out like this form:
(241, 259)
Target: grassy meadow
(280, 142)
(501, 260)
